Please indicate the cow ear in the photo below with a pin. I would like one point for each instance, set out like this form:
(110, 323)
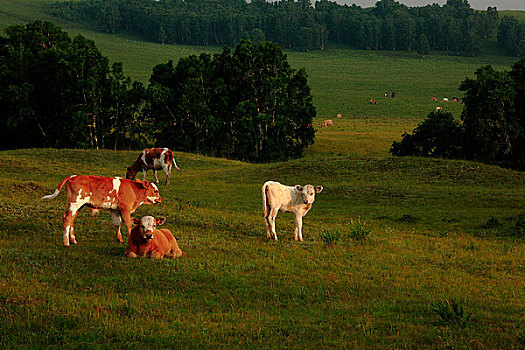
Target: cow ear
(319, 189)
(160, 220)
(299, 188)
(135, 221)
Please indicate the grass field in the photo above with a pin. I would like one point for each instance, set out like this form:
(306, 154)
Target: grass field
(435, 231)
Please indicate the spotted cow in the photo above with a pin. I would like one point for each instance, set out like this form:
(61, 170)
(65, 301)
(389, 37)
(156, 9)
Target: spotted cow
(120, 196)
(153, 158)
(295, 199)
(146, 240)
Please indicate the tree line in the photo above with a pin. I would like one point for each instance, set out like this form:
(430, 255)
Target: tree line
(453, 27)
(511, 35)
(492, 126)
(246, 103)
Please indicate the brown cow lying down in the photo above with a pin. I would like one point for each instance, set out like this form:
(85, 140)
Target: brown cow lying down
(120, 196)
(146, 240)
(294, 199)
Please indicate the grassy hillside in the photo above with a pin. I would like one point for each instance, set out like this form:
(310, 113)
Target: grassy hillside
(439, 231)
(429, 243)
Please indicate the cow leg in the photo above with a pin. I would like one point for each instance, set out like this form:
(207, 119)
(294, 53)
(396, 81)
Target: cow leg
(298, 229)
(144, 174)
(167, 170)
(117, 221)
(131, 255)
(156, 254)
(68, 220)
(126, 216)
(273, 215)
(268, 227)
(156, 178)
(72, 238)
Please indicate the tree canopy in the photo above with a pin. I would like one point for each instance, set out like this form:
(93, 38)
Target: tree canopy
(301, 24)
(56, 91)
(247, 104)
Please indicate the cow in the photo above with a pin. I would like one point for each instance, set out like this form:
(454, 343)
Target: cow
(120, 196)
(153, 158)
(295, 199)
(327, 123)
(433, 99)
(445, 99)
(339, 116)
(439, 109)
(373, 102)
(146, 240)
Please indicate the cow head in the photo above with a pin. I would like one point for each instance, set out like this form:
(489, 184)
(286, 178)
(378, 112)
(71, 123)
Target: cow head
(130, 173)
(307, 193)
(152, 192)
(148, 225)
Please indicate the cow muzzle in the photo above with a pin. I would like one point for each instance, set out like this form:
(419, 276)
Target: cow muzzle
(148, 236)
(154, 200)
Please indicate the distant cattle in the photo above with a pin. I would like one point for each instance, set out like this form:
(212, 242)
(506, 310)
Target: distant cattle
(146, 240)
(373, 102)
(153, 158)
(445, 99)
(327, 123)
(120, 196)
(455, 99)
(433, 99)
(339, 116)
(295, 199)
(439, 109)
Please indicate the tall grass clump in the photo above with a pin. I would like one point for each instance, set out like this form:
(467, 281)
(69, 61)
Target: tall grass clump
(451, 312)
(330, 237)
(355, 230)
(359, 230)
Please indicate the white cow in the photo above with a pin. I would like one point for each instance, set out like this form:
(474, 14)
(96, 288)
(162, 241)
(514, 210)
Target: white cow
(295, 199)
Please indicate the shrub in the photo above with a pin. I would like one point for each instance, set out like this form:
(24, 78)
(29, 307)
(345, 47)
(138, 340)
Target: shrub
(440, 135)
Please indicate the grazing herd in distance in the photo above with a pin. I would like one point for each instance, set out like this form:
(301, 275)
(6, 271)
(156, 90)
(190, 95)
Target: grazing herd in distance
(121, 197)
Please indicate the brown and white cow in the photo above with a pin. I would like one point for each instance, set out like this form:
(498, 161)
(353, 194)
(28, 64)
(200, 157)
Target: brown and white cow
(153, 158)
(295, 199)
(327, 123)
(146, 240)
(120, 196)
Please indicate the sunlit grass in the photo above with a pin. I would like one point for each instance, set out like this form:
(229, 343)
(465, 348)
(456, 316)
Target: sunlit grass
(429, 239)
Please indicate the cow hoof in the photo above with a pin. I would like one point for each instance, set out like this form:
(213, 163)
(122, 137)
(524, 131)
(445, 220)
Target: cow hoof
(74, 241)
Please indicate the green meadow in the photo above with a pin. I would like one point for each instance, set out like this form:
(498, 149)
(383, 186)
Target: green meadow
(391, 246)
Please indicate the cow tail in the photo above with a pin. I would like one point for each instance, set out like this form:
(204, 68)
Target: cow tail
(171, 159)
(59, 188)
(175, 165)
(264, 203)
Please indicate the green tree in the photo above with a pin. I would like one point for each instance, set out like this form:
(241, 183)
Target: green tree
(489, 118)
(440, 136)
(247, 104)
(54, 91)
(423, 47)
